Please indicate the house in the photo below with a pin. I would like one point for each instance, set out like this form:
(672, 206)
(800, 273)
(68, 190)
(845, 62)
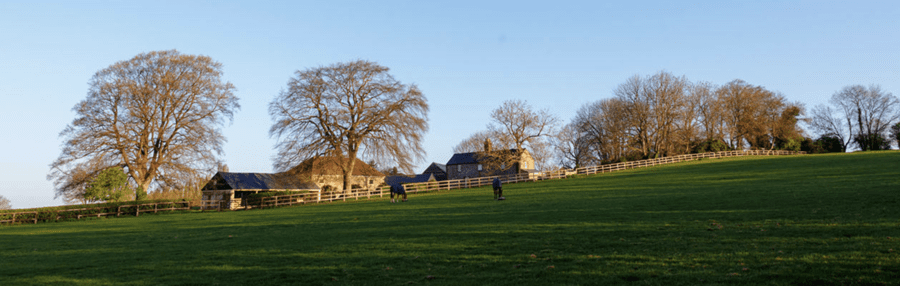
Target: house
(491, 163)
(328, 175)
(402, 179)
(230, 190)
(438, 170)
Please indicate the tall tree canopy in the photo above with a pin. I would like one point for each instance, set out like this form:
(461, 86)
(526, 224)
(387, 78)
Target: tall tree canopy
(349, 110)
(156, 114)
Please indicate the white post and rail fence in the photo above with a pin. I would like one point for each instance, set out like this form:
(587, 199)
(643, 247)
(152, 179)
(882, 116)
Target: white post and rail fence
(435, 186)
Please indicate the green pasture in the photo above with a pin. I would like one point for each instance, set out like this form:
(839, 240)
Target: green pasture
(786, 220)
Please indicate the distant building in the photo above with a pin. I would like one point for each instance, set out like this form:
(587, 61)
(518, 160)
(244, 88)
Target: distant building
(321, 173)
(328, 175)
(476, 164)
(230, 190)
(438, 170)
(402, 179)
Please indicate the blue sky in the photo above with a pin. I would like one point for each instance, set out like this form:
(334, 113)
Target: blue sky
(466, 57)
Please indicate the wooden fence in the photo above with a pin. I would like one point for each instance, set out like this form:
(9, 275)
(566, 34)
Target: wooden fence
(79, 213)
(680, 158)
(446, 185)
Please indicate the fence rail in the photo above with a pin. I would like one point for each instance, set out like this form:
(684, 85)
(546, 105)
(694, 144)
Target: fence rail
(446, 185)
(79, 213)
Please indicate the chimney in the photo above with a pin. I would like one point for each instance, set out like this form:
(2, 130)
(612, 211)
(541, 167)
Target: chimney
(487, 145)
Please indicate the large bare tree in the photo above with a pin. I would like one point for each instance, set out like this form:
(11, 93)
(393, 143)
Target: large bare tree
(860, 115)
(872, 110)
(156, 113)
(516, 125)
(349, 110)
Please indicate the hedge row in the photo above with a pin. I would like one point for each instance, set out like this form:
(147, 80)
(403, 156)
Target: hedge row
(74, 211)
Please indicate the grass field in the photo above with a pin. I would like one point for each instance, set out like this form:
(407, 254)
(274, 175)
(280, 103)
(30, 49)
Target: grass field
(789, 220)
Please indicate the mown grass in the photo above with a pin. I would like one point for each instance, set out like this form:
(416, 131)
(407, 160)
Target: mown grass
(813, 220)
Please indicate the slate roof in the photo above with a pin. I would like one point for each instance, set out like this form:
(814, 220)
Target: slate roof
(438, 170)
(258, 181)
(391, 180)
(469, 158)
(439, 166)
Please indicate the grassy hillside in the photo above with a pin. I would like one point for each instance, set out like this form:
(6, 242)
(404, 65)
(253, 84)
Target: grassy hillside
(817, 219)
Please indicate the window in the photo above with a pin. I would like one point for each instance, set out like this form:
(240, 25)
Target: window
(502, 166)
(459, 168)
(479, 167)
(525, 164)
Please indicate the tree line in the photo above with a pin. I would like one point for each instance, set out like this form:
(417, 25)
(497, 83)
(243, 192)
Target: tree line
(663, 115)
(153, 124)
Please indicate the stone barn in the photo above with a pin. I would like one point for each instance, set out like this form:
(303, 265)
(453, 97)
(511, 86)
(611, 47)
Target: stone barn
(230, 190)
(327, 174)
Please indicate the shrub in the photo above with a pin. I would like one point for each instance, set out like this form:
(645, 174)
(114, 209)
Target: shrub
(109, 185)
(712, 145)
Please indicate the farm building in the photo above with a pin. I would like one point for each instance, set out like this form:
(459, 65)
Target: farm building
(327, 174)
(438, 170)
(229, 190)
(401, 179)
(492, 163)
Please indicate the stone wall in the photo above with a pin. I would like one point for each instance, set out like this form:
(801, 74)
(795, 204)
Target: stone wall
(337, 181)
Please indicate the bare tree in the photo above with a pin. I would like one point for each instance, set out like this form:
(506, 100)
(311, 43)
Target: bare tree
(826, 121)
(862, 116)
(158, 112)
(607, 129)
(638, 112)
(572, 146)
(872, 110)
(516, 125)
(709, 111)
(349, 110)
(5, 204)
(476, 141)
(666, 94)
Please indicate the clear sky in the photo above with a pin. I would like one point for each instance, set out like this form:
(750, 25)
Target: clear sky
(466, 57)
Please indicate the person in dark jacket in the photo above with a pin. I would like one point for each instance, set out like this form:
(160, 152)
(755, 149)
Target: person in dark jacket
(399, 190)
(498, 189)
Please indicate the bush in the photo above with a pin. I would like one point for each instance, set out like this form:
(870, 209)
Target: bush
(812, 146)
(712, 145)
(830, 143)
(110, 185)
